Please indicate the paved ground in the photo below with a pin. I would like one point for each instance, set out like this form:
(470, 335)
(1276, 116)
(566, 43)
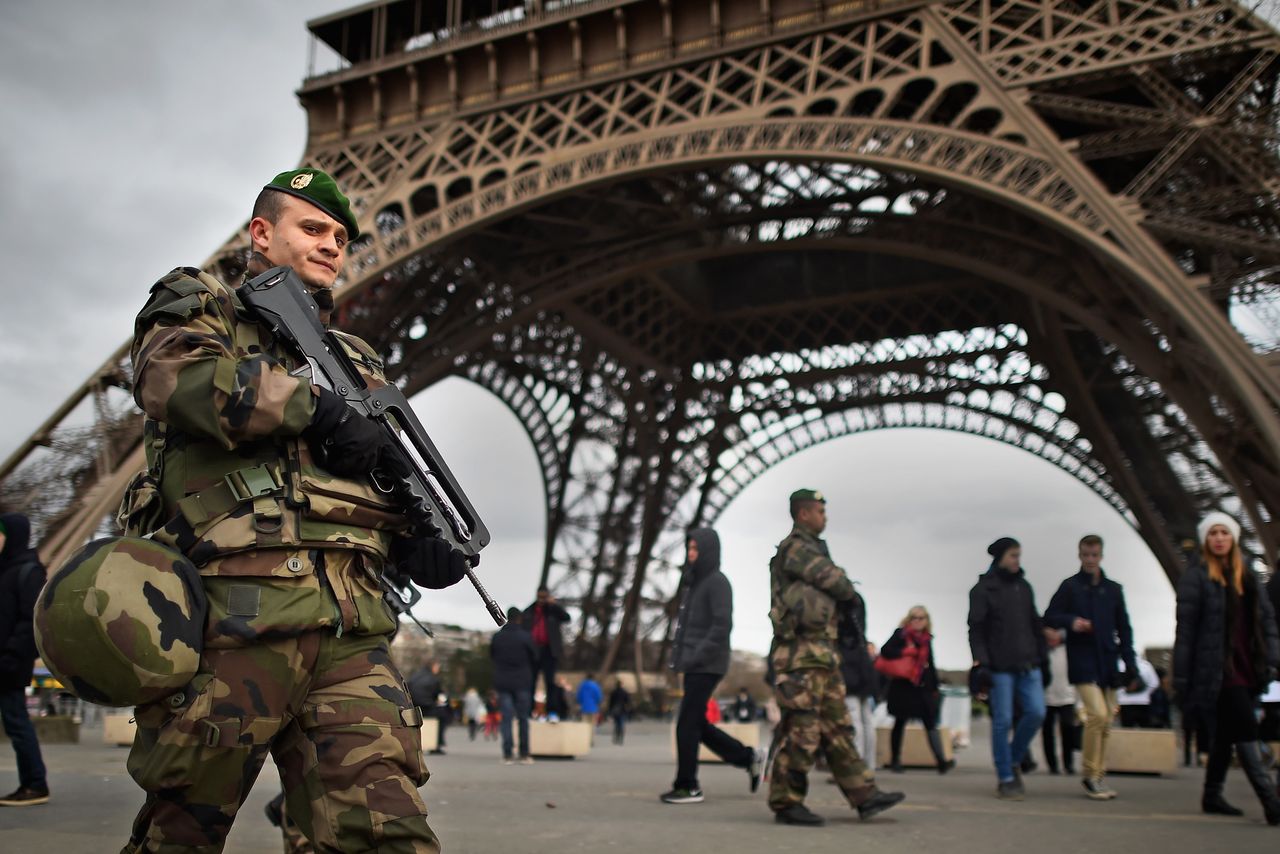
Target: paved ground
(608, 801)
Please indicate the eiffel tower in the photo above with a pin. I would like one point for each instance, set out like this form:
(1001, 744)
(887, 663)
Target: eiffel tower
(684, 241)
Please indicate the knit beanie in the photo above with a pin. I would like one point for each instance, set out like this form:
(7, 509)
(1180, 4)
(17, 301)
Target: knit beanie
(1000, 546)
(1217, 517)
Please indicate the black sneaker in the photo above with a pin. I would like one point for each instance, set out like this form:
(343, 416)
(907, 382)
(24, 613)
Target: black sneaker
(1011, 790)
(754, 768)
(878, 803)
(799, 814)
(682, 796)
(275, 810)
(25, 796)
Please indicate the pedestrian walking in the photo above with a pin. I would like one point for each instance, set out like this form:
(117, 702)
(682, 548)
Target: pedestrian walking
(514, 662)
(544, 619)
(1006, 636)
(805, 587)
(1135, 699)
(700, 652)
(21, 577)
(744, 709)
(589, 697)
(425, 688)
(619, 711)
(1224, 653)
(473, 711)
(907, 658)
(861, 681)
(1090, 608)
(492, 716)
(1060, 698)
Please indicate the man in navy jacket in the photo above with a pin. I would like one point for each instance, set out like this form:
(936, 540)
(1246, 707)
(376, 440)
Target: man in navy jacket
(1090, 607)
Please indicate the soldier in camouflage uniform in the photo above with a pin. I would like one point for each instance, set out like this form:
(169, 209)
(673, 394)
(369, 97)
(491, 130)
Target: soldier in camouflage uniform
(806, 590)
(263, 483)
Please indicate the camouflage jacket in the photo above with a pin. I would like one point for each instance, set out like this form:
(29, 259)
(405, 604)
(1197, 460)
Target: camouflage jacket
(804, 587)
(238, 490)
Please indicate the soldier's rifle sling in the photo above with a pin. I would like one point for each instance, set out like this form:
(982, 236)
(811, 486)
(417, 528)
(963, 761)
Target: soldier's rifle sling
(429, 492)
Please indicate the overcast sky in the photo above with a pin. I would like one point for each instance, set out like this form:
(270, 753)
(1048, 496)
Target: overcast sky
(136, 137)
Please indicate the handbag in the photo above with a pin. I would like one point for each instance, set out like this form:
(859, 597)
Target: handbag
(903, 667)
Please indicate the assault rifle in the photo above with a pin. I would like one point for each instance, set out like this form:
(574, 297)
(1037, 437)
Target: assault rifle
(423, 486)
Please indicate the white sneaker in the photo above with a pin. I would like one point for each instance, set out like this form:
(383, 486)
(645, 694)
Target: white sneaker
(526, 760)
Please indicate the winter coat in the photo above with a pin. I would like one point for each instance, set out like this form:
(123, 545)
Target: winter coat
(1201, 650)
(424, 689)
(1006, 633)
(1092, 656)
(907, 699)
(856, 666)
(514, 659)
(619, 702)
(589, 697)
(706, 615)
(556, 616)
(21, 578)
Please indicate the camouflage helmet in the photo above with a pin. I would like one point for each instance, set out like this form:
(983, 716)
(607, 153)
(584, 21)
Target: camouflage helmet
(121, 623)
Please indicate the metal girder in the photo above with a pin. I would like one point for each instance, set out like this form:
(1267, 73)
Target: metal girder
(682, 248)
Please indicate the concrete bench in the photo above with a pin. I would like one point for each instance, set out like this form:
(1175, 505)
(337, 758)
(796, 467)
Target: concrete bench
(1142, 751)
(915, 747)
(118, 729)
(747, 733)
(562, 738)
(430, 734)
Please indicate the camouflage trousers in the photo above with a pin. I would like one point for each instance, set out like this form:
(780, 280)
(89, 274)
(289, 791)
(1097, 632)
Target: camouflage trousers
(814, 718)
(334, 714)
(295, 841)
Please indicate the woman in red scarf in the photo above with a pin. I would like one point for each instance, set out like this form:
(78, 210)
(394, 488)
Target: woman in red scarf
(913, 688)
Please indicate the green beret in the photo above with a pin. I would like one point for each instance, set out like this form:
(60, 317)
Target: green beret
(807, 495)
(316, 187)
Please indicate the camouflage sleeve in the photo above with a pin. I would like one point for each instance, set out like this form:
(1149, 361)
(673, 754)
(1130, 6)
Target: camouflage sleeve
(188, 372)
(813, 567)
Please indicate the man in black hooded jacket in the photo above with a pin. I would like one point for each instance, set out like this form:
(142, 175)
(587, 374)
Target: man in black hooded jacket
(21, 577)
(1006, 635)
(701, 652)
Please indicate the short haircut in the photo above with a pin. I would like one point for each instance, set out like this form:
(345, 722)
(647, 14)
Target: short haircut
(269, 205)
(542, 588)
(514, 615)
(1091, 540)
(799, 504)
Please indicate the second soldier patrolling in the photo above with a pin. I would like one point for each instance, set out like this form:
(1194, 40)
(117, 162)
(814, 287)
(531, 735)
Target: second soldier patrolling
(805, 587)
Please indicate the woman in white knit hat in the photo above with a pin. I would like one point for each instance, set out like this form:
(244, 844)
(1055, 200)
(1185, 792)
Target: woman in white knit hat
(1226, 649)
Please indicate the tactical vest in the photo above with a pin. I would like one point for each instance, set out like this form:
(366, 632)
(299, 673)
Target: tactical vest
(798, 610)
(267, 494)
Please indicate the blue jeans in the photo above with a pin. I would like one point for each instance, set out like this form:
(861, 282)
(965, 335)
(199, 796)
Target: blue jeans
(515, 704)
(17, 725)
(1028, 687)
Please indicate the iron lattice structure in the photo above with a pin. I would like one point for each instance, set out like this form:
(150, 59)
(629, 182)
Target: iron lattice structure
(685, 241)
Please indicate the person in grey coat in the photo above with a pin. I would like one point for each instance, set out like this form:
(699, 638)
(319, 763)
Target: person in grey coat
(701, 652)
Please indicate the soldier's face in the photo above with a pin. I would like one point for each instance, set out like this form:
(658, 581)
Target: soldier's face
(814, 516)
(304, 238)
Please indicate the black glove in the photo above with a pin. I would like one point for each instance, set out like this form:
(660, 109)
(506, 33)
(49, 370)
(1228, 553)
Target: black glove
(980, 681)
(429, 561)
(342, 441)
